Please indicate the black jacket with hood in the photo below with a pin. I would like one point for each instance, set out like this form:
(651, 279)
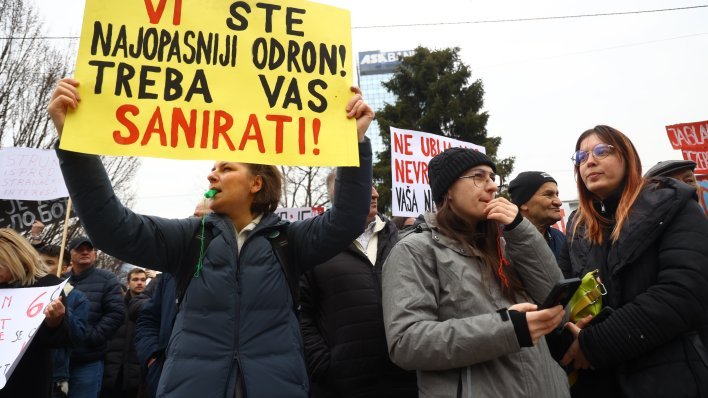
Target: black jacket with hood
(656, 276)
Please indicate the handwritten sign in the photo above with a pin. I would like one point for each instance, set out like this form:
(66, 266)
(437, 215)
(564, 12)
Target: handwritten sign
(692, 140)
(21, 314)
(410, 153)
(30, 174)
(21, 214)
(298, 213)
(250, 81)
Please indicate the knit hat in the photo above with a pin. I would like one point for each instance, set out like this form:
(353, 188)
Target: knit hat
(669, 167)
(446, 166)
(525, 185)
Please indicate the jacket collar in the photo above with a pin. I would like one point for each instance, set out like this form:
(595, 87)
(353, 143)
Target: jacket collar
(88, 271)
(655, 207)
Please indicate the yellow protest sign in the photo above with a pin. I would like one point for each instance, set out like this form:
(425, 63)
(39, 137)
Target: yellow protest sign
(248, 81)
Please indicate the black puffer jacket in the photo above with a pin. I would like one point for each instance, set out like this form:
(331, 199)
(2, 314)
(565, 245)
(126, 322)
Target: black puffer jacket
(656, 276)
(121, 366)
(106, 312)
(342, 326)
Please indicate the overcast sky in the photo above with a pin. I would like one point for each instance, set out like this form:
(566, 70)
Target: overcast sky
(546, 81)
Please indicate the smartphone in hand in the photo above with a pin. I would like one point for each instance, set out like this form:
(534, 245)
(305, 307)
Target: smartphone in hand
(561, 293)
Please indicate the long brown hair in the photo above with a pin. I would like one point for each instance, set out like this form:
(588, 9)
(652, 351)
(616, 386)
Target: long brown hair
(632, 183)
(484, 238)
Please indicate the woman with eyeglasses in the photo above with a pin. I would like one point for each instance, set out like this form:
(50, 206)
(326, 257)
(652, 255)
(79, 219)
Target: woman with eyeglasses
(458, 291)
(649, 241)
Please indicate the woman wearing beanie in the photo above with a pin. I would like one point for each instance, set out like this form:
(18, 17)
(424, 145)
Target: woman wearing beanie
(458, 291)
(647, 238)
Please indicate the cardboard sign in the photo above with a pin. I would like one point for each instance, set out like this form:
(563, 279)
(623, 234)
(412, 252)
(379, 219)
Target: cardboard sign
(21, 214)
(298, 213)
(247, 81)
(692, 140)
(30, 174)
(21, 314)
(410, 153)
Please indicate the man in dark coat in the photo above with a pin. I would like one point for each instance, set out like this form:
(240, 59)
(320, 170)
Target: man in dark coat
(153, 329)
(342, 318)
(106, 312)
(121, 377)
(536, 194)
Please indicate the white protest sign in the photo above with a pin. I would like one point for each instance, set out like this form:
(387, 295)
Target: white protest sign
(410, 153)
(30, 174)
(21, 314)
(298, 213)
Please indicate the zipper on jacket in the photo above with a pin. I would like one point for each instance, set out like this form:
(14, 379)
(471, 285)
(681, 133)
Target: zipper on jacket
(241, 385)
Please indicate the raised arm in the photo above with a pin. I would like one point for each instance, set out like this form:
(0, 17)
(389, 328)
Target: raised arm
(319, 238)
(115, 229)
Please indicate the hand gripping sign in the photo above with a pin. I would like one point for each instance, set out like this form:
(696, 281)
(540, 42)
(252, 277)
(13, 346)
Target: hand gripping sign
(21, 314)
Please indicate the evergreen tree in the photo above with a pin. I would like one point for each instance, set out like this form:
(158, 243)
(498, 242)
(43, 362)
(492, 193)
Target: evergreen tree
(434, 95)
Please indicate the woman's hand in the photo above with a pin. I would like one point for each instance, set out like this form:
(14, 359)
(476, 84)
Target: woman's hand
(361, 111)
(542, 322)
(501, 211)
(575, 354)
(65, 96)
(54, 313)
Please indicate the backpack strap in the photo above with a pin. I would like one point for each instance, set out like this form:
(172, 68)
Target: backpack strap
(284, 253)
(185, 273)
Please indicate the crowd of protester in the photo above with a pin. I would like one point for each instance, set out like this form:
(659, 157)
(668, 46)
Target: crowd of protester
(351, 303)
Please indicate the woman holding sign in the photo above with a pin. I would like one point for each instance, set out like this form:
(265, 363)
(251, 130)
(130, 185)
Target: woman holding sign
(649, 242)
(236, 332)
(457, 300)
(21, 267)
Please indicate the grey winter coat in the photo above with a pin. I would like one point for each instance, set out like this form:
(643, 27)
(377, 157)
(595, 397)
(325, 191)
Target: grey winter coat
(235, 330)
(441, 317)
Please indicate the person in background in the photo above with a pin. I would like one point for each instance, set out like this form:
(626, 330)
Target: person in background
(681, 170)
(536, 194)
(50, 257)
(21, 267)
(106, 313)
(342, 320)
(121, 377)
(153, 329)
(77, 309)
(648, 241)
(459, 291)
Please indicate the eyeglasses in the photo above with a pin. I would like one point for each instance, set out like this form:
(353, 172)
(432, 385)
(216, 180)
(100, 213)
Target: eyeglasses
(480, 178)
(600, 151)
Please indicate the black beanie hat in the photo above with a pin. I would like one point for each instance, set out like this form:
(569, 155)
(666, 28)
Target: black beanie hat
(446, 166)
(522, 188)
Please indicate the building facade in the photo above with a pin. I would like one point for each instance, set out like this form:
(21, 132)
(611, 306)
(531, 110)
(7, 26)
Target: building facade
(375, 68)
